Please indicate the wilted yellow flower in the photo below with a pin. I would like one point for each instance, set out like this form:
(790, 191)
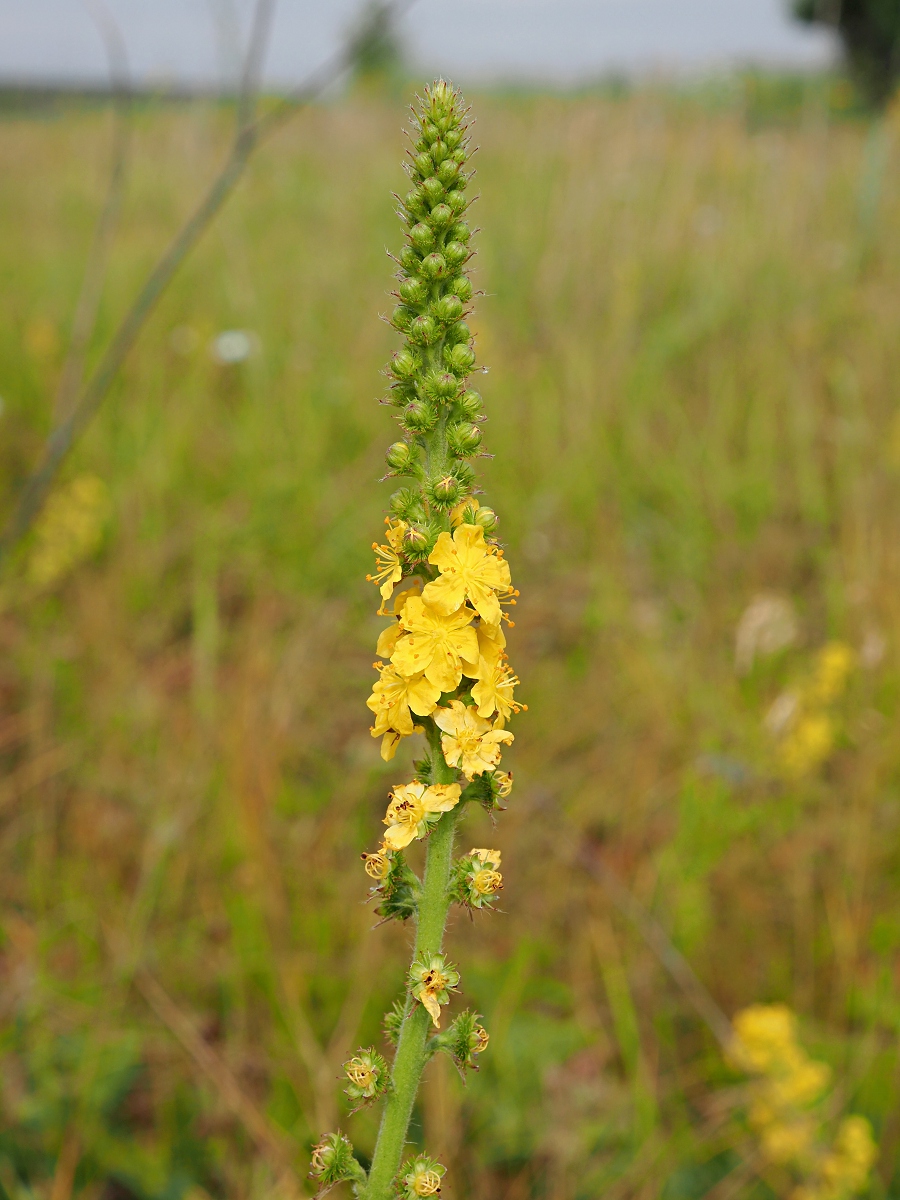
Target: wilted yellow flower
(69, 529)
(413, 807)
(470, 569)
(377, 864)
(468, 741)
(439, 646)
(504, 783)
(388, 563)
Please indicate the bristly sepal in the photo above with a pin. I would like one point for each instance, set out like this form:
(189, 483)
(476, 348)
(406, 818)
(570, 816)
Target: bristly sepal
(397, 886)
(334, 1162)
(393, 1020)
(367, 1078)
(420, 1177)
(476, 879)
(463, 1041)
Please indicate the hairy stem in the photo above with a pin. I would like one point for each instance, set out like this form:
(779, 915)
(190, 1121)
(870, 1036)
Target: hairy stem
(410, 1059)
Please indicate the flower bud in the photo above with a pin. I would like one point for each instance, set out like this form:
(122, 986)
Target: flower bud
(458, 333)
(419, 416)
(403, 365)
(470, 404)
(453, 137)
(423, 164)
(441, 385)
(447, 309)
(487, 519)
(434, 266)
(409, 259)
(422, 237)
(441, 216)
(400, 457)
(406, 504)
(455, 254)
(430, 133)
(460, 232)
(417, 543)
(461, 287)
(460, 359)
(465, 473)
(402, 317)
(414, 202)
(456, 201)
(424, 330)
(439, 151)
(447, 172)
(445, 491)
(463, 438)
(433, 190)
(414, 291)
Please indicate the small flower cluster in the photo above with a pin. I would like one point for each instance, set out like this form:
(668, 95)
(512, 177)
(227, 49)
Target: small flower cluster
(787, 1085)
(802, 718)
(69, 531)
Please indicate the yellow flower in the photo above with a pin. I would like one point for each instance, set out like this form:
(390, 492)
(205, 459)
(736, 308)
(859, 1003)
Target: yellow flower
(469, 568)
(387, 639)
(833, 664)
(504, 782)
(808, 744)
(393, 696)
(766, 1036)
(493, 693)
(788, 1141)
(69, 530)
(413, 808)
(388, 563)
(468, 741)
(440, 646)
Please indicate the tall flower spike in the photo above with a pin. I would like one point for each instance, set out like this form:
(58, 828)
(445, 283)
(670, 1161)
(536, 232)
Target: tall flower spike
(443, 581)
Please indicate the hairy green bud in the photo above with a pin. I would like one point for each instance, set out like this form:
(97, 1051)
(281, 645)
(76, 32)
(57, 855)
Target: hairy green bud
(460, 286)
(463, 438)
(434, 266)
(413, 291)
(402, 317)
(422, 237)
(393, 1019)
(445, 491)
(458, 332)
(404, 366)
(418, 542)
(455, 254)
(470, 404)
(419, 416)
(406, 504)
(401, 458)
(333, 1162)
(456, 201)
(433, 190)
(409, 259)
(460, 232)
(460, 359)
(447, 309)
(441, 216)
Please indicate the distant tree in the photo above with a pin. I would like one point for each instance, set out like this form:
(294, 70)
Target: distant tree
(870, 32)
(374, 43)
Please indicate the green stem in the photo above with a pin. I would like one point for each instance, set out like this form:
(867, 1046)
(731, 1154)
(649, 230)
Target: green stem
(411, 1056)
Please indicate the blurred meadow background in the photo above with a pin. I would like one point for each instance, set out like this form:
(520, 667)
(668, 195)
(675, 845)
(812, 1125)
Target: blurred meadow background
(690, 320)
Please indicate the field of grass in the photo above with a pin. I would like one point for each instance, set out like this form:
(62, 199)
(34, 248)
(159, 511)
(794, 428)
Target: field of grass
(690, 321)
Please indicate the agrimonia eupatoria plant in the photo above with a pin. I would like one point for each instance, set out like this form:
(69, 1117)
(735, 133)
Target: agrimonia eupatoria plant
(442, 669)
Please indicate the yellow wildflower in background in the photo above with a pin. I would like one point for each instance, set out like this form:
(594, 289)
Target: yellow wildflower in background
(69, 530)
(468, 740)
(801, 717)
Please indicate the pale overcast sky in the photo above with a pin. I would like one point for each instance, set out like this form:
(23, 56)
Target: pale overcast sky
(187, 41)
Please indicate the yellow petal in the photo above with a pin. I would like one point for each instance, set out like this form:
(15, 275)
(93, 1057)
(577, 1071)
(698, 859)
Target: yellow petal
(422, 696)
(443, 555)
(398, 837)
(447, 593)
(430, 1003)
(387, 640)
(389, 745)
(441, 797)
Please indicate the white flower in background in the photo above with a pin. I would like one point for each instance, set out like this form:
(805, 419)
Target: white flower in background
(781, 713)
(233, 346)
(766, 626)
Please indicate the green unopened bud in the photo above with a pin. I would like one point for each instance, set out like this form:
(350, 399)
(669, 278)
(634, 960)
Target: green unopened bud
(424, 330)
(422, 237)
(465, 473)
(430, 133)
(463, 438)
(424, 164)
(414, 291)
(434, 266)
(441, 385)
(393, 1020)
(404, 365)
(460, 232)
(417, 543)
(486, 518)
(441, 216)
(447, 309)
(445, 491)
(402, 317)
(453, 138)
(470, 404)
(455, 254)
(439, 151)
(414, 202)
(458, 333)
(447, 172)
(367, 1076)
(433, 190)
(333, 1162)
(460, 286)
(409, 259)
(460, 359)
(406, 503)
(419, 416)
(456, 201)
(400, 457)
